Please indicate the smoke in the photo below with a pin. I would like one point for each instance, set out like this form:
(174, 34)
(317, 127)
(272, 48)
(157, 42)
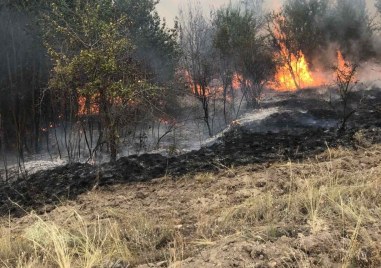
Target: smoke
(273, 4)
(23, 72)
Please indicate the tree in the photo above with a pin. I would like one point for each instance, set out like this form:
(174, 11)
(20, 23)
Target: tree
(298, 34)
(95, 57)
(243, 50)
(23, 75)
(257, 68)
(229, 27)
(196, 41)
(303, 20)
(155, 45)
(289, 50)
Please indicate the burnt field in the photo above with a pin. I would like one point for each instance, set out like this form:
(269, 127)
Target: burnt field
(241, 134)
(280, 187)
(299, 126)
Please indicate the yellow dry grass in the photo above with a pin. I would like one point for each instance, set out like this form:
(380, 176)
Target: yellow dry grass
(338, 192)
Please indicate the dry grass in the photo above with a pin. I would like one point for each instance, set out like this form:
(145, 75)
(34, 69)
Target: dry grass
(49, 244)
(337, 195)
(80, 242)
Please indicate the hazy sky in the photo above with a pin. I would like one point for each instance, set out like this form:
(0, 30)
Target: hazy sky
(169, 8)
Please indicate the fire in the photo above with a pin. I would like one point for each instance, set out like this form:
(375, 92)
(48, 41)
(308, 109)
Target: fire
(237, 81)
(294, 74)
(168, 121)
(340, 60)
(344, 68)
(82, 106)
(196, 89)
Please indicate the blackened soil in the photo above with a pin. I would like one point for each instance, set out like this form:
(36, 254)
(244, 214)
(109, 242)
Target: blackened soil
(46, 189)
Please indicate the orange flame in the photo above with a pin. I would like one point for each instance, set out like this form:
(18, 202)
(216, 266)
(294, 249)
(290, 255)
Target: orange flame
(294, 74)
(91, 110)
(343, 67)
(194, 87)
(341, 64)
(236, 81)
(239, 81)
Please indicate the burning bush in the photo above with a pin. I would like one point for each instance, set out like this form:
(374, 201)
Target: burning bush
(346, 81)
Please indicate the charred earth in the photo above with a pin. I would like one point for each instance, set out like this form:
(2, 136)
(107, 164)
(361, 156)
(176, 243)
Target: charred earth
(299, 126)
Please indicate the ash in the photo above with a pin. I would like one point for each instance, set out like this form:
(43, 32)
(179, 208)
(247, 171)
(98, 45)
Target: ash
(30, 166)
(294, 113)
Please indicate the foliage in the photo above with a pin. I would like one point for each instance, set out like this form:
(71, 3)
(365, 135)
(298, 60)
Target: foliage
(234, 29)
(228, 25)
(302, 24)
(239, 43)
(299, 27)
(155, 44)
(95, 56)
(311, 26)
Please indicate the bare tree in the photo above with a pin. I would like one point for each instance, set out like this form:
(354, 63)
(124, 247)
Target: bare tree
(22, 77)
(196, 40)
(346, 81)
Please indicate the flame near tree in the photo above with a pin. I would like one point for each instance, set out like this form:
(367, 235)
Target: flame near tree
(346, 81)
(345, 70)
(293, 71)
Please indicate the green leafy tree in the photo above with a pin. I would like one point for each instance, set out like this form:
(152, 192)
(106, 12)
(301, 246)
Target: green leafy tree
(155, 45)
(298, 30)
(244, 50)
(231, 31)
(303, 20)
(92, 45)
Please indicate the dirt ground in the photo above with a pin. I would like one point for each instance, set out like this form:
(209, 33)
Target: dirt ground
(258, 215)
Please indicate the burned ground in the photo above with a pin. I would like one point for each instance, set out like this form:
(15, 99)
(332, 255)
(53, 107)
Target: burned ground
(297, 134)
(299, 196)
(320, 212)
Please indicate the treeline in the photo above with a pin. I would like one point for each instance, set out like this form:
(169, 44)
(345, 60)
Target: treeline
(94, 70)
(82, 67)
(243, 44)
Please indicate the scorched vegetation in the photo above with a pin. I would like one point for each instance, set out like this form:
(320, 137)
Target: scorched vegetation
(248, 136)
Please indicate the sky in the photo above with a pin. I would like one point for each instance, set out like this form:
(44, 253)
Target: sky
(169, 8)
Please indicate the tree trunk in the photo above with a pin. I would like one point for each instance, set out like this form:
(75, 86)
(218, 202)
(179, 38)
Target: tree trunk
(109, 125)
(205, 105)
